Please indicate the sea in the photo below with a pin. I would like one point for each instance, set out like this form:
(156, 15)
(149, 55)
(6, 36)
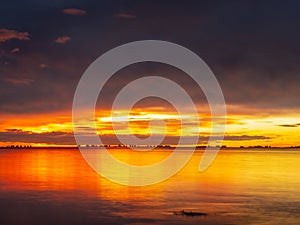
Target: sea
(242, 186)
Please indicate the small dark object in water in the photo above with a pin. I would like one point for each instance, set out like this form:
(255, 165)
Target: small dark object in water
(190, 213)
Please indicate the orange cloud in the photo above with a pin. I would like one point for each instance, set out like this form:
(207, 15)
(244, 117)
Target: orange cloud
(74, 12)
(15, 50)
(62, 39)
(125, 16)
(19, 81)
(43, 65)
(6, 35)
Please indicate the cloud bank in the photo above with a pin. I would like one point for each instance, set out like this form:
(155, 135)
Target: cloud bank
(6, 35)
(63, 138)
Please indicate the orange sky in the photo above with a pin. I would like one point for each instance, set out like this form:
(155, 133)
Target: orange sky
(274, 129)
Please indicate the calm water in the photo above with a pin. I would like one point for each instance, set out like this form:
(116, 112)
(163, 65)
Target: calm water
(58, 187)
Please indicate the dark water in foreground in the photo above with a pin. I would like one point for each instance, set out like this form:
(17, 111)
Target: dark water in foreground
(58, 187)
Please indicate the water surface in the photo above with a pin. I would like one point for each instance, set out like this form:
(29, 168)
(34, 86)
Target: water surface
(240, 187)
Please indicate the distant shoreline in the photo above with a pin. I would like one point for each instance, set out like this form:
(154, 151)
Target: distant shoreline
(291, 148)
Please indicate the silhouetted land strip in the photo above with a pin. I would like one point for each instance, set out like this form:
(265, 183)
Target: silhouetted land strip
(189, 213)
(165, 147)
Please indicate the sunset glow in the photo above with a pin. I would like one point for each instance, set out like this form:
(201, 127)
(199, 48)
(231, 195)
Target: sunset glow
(42, 64)
(160, 112)
(241, 130)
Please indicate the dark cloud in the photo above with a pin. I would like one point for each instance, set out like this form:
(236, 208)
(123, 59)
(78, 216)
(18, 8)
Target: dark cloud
(252, 48)
(245, 137)
(61, 138)
(38, 90)
(16, 135)
(74, 12)
(289, 125)
(14, 130)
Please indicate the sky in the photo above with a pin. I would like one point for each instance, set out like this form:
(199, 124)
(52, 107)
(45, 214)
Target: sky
(252, 47)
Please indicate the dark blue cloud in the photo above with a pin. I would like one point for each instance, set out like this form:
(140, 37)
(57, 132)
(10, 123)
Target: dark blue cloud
(252, 46)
